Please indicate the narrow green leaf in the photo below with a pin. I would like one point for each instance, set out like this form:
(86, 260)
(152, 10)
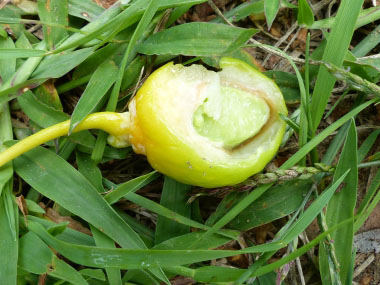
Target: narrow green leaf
(163, 211)
(6, 171)
(224, 206)
(368, 43)
(57, 65)
(138, 258)
(8, 210)
(93, 273)
(209, 274)
(99, 56)
(305, 14)
(8, 65)
(90, 170)
(68, 235)
(341, 207)
(34, 254)
(7, 94)
(242, 11)
(20, 53)
(126, 18)
(34, 207)
(337, 45)
(365, 17)
(96, 89)
(30, 64)
(47, 93)
(174, 197)
(132, 72)
(324, 134)
(350, 275)
(271, 8)
(8, 241)
(196, 39)
(176, 14)
(130, 186)
(183, 241)
(56, 179)
(275, 203)
(166, 4)
(101, 240)
(37, 258)
(53, 11)
(288, 234)
(253, 196)
(367, 145)
(39, 112)
(85, 9)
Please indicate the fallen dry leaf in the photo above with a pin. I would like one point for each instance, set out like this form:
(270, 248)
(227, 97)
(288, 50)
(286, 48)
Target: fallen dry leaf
(73, 224)
(21, 203)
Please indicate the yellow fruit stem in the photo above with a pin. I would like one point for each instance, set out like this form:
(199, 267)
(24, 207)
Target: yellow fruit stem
(117, 125)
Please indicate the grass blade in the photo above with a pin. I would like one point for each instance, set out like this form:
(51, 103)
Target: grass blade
(368, 43)
(367, 145)
(341, 207)
(101, 240)
(20, 53)
(55, 66)
(271, 8)
(174, 197)
(209, 274)
(8, 211)
(138, 258)
(132, 185)
(47, 172)
(100, 82)
(8, 239)
(53, 11)
(289, 234)
(305, 14)
(324, 134)
(85, 9)
(365, 16)
(56, 179)
(196, 39)
(37, 258)
(336, 48)
(277, 202)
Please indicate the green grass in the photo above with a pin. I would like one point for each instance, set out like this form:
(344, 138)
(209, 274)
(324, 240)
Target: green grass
(143, 229)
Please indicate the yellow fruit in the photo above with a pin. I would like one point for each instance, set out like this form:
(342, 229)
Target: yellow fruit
(197, 126)
(163, 126)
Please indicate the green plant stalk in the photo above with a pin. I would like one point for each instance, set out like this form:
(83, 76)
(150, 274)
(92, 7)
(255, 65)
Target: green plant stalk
(280, 175)
(305, 113)
(356, 82)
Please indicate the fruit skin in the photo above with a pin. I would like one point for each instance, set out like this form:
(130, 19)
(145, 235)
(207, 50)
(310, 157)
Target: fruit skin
(161, 124)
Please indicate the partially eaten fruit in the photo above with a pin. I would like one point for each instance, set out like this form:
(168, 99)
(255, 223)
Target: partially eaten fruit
(200, 127)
